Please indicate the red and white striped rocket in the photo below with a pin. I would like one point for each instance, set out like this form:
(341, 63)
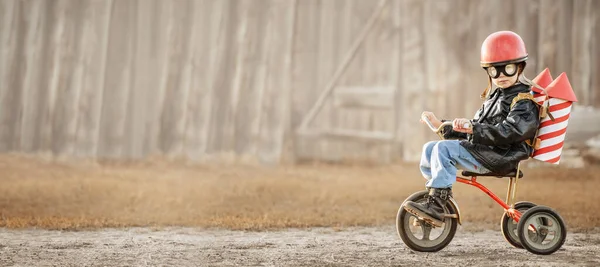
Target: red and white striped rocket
(543, 79)
(552, 131)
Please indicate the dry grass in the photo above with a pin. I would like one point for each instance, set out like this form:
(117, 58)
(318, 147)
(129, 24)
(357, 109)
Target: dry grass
(69, 195)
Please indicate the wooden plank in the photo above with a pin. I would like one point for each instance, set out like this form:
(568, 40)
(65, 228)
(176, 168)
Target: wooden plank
(41, 117)
(42, 132)
(275, 102)
(52, 78)
(346, 30)
(396, 81)
(177, 80)
(462, 53)
(36, 32)
(288, 142)
(595, 84)
(352, 22)
(581, 73)
(305, 73)
(9, 26)
(216, 41)
(328, 50)
(414, 82)
(383, 120)
(252, 77)
(364, 97)
(156, 75)
(459, 57)
(555, 24)
(67, 79)
(357, 74)
(305, 54)
(7, 23)
(564, 30)
(199, 59)
(11, 71)
(381, 44)
(363, 120)
(221, 133)
(436, 61)
(548, 35)
(118, 79)
(93, 52)
(230, 80)
(145, 78)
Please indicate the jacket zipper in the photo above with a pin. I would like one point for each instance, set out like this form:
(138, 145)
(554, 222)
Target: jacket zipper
(487, 112)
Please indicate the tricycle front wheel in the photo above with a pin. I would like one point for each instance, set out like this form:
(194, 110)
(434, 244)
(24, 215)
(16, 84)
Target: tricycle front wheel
(541, 230)
(421, 236)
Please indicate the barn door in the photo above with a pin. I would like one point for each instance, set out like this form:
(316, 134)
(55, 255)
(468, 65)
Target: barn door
(369, 98)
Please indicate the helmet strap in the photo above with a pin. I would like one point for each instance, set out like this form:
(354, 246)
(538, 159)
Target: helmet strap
(486, 92)
(527, 81)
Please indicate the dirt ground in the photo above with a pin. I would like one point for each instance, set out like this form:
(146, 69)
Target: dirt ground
(157, 212)
(357, 246)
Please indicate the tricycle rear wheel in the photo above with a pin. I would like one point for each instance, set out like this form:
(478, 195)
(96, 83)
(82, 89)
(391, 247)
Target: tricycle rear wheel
(541, 230)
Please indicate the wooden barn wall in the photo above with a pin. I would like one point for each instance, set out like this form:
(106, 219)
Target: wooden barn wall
(127, 79)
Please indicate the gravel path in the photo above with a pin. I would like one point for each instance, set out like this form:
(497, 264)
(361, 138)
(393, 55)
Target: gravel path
(372, 246)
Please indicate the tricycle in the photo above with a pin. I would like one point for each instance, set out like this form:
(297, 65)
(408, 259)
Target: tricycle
(538, 229)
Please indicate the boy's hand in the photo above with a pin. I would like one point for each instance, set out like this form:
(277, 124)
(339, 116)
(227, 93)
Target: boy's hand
(432, 118)
(462, 126)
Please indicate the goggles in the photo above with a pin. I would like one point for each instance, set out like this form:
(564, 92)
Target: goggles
(509, 70)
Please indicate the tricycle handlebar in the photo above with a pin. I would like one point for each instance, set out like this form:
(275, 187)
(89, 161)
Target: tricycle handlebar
(437, 130)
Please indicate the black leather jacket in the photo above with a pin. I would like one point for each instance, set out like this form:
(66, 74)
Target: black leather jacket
(499, 132)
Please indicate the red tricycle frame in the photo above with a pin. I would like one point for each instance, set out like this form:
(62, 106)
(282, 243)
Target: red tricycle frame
(510, 195)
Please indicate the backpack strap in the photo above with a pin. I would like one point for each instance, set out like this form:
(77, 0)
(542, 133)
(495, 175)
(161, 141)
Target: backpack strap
(528, 96)
(535, 142)
(523, 96)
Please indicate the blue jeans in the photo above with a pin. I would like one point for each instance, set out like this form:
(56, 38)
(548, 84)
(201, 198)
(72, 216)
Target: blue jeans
(441, 159)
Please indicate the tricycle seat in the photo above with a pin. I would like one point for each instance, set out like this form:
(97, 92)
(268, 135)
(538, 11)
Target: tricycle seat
(513, 173)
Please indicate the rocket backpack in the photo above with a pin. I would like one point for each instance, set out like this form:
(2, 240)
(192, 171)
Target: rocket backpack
(555, 103)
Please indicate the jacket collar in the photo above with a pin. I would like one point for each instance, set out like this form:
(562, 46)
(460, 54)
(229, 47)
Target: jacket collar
(514, 88)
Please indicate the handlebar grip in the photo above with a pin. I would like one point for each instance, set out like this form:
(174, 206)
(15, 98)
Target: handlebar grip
(428, 122)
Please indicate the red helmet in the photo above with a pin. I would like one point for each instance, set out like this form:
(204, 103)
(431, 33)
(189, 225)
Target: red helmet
(502, 47)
